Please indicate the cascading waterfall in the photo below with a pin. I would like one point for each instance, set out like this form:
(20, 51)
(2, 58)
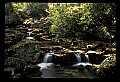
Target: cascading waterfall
(47, 62)
(78, 58)
(28, 34)
(85, 58)
(47, 58)
(49, 69)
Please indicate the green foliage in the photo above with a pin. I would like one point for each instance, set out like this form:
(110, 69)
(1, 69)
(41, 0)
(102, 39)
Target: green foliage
(8, 13)
(17, 12)
(104, 13)
(8, 8)
(84, 20)
(37, 10)
(62, 19)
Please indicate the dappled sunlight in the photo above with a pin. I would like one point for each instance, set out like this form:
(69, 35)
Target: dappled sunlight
(60, 40)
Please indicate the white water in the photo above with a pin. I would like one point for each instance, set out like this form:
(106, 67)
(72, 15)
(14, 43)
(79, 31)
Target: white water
(86, 62)
(78, 57)
(28, 38)
(48, 58)
(82, 63)
(87, 58)
(49, 70)
(45, 65)
(28, 34)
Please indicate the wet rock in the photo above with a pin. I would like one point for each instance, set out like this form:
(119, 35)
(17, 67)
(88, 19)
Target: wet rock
(88, 67)
(97, 46)
(64, 58)
(31, 71)
(81, 68)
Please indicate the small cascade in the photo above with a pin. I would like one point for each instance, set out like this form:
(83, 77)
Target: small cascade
(47, 58)
(47, 62)
(82, 58)
(78, 58)
(28, 38)
(87, 58)
(28, 34)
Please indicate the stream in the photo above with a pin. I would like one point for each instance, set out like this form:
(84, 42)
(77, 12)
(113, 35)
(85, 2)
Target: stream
(51, 70)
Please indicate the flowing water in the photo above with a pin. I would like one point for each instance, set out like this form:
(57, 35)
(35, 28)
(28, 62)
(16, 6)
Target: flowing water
(78, 57)
(51, 70)
(87, 57)
(48, 58)
(29, 36)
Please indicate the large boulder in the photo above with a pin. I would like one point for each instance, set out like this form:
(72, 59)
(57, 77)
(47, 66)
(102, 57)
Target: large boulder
(64, 58)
